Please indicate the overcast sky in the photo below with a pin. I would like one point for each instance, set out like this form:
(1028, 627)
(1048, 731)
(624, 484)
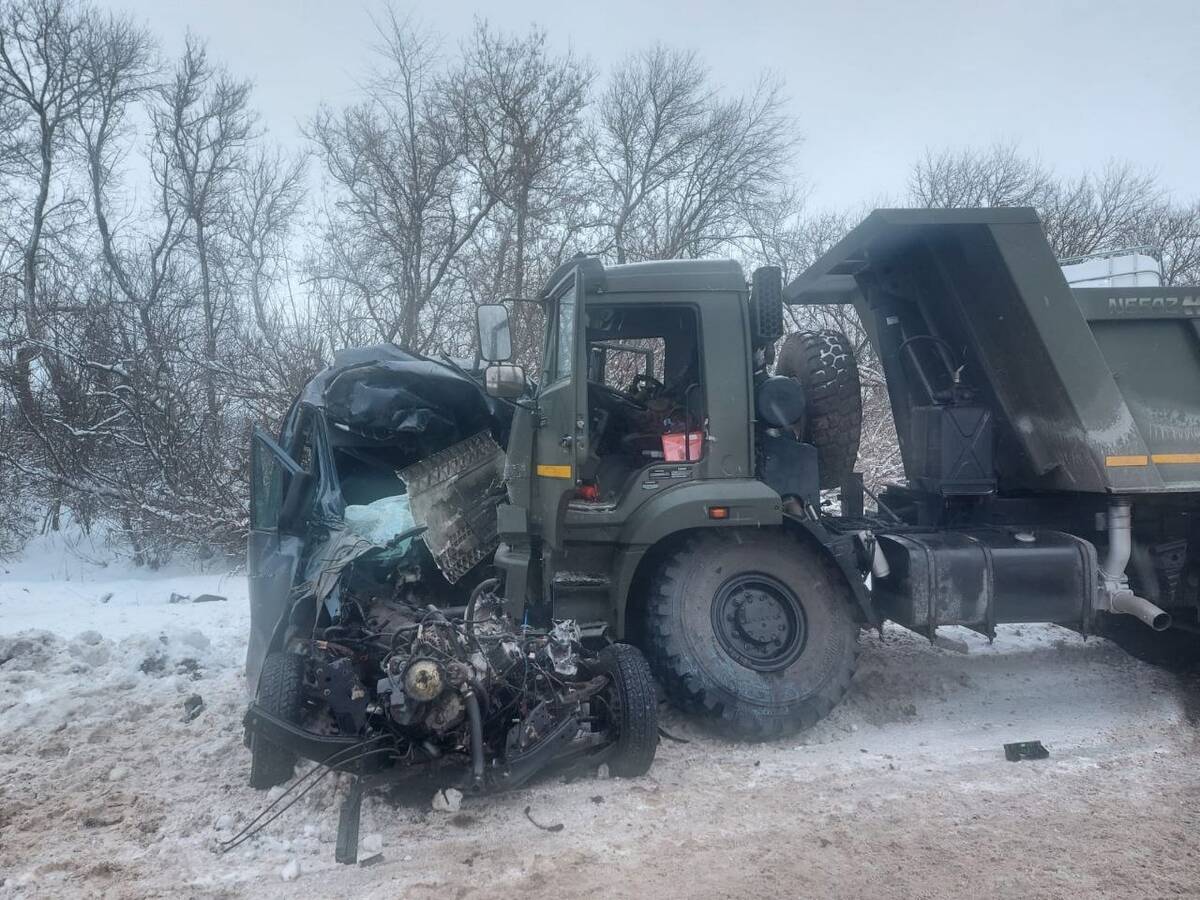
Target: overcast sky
(872, 82)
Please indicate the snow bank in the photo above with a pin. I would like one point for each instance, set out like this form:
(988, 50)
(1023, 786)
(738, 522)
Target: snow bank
(68, 583)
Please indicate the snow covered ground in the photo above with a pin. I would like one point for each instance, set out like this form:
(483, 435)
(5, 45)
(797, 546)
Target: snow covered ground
(109, 788)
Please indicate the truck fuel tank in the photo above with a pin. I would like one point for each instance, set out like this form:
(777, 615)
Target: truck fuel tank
(981, 577)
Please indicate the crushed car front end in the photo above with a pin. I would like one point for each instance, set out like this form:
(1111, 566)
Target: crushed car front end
(380, 645)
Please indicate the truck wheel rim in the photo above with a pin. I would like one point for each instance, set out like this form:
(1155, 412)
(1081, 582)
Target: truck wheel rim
(759, 621)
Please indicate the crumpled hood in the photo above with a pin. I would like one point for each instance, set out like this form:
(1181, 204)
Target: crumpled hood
(383, 391)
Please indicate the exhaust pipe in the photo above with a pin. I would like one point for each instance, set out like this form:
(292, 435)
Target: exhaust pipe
(1116, 586)
(879, 564)
(1131, 604)
(1120, 542)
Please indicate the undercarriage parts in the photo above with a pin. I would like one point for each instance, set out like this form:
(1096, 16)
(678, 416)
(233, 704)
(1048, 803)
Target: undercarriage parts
(393, 689)
(1126, 601)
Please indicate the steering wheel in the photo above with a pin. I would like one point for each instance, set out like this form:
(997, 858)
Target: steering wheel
(645, 386)
(618, 395)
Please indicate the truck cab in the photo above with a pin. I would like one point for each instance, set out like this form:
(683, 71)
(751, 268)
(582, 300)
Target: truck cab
(661, 489)
(638, 430)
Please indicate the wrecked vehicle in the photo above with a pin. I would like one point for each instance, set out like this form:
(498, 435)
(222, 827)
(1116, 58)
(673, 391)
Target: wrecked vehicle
(662, 481)
(378, 643)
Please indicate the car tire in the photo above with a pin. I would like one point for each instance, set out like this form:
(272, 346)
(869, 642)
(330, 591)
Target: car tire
(754, 631)
(633, 709)
(281, 693)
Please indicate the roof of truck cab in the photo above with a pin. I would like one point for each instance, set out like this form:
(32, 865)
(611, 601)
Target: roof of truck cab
(674, 275)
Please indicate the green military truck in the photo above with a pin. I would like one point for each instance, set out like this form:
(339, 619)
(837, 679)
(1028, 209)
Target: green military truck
(658, 484)
(1050, 439)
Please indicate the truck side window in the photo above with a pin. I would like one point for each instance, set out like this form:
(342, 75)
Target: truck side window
(564, 336)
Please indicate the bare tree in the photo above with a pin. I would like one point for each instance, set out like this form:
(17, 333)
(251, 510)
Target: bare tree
(61, 65)
(42, 89)
(283, 346)
(118, 70)
(406, 191)
(1173, 234)
(203, 125)
(1093, 212)
(994, 176)
(650, 120)
(162, 326)
(677, 163)
(520, 111)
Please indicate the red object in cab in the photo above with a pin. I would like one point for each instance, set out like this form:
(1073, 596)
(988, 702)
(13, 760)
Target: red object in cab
(682, 446)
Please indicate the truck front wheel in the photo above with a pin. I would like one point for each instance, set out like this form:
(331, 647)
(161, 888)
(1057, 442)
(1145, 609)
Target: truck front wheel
(753, 630)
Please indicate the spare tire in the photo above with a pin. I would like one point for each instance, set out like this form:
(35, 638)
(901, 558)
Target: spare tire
(823, 362)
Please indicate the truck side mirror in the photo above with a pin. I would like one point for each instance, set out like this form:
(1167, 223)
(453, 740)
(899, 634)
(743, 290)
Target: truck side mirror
(495, 341)
(505, 381)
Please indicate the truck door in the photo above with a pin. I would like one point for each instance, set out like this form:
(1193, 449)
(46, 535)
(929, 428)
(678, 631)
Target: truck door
(561, 440)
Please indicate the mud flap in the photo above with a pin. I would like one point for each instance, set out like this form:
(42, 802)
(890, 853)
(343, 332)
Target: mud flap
(840, 551)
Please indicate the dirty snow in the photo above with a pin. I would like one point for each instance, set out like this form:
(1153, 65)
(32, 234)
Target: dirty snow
(108, 789)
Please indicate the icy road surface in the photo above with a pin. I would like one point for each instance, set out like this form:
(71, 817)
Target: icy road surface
(106, 791)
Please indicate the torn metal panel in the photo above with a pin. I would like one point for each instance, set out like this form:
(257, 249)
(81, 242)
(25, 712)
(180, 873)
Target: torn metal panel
(454, 493)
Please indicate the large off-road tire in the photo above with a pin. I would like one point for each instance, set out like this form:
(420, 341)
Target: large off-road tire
(766, 305)
(752, 629)
(632, 708)
(823, 362)
(281, 693)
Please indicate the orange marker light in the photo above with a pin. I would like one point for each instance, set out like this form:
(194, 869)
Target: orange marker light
(718, 512)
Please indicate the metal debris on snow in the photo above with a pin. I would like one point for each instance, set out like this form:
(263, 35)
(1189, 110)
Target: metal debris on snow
(1025, 750)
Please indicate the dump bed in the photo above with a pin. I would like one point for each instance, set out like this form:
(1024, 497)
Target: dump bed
(1094, 389)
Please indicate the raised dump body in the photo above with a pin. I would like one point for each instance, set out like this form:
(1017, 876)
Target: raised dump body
(1092, 390)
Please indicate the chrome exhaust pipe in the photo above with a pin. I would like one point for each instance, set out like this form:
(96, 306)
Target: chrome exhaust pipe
(1131, 604)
